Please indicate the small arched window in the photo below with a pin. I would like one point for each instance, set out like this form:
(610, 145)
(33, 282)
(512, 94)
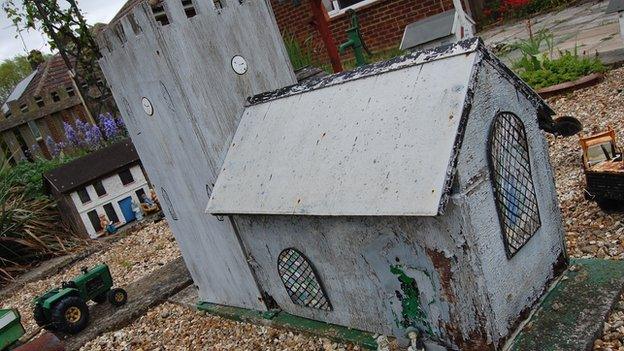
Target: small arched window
(169, 204)
(300, 280)
(514, 192)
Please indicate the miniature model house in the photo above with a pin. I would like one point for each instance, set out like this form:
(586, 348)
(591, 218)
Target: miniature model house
(441, 29)
(411, 193)
(105, 182)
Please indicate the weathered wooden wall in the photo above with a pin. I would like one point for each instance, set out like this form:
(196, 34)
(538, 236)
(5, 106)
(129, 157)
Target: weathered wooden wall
(184, 68)
(513, 285)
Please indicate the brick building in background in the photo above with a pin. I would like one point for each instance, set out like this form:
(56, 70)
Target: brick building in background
(37, 108)
(382, 21)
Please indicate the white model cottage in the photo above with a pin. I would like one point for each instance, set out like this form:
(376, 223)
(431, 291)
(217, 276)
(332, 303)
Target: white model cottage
(413, 193)
(410, 193)
(105, 182)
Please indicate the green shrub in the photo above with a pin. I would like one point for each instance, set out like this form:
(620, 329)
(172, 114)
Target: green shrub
(30, 227)
(29, 175)
(541, 70)
(300, 55)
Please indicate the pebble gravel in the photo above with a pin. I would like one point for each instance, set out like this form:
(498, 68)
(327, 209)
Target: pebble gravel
(129, 259)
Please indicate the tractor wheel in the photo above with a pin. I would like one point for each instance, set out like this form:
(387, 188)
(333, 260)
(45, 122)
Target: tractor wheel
(70, 315)
(41, 319)
(101, 298)
(117, 297)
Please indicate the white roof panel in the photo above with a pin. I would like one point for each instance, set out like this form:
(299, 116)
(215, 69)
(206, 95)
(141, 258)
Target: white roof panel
(18, 91)
(381, 144)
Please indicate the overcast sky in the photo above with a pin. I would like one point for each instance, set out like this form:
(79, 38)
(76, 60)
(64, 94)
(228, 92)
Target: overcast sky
(94, 11)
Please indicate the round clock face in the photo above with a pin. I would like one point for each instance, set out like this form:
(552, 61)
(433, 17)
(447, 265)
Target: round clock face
(239, 65)
(147, 106)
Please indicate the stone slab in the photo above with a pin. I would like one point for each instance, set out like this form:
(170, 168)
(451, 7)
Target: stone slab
(572, 314)
(142, 295)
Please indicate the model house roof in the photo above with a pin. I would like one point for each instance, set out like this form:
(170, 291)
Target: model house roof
(428, 29)
(615, 6)
(91, 167)
(380, 140)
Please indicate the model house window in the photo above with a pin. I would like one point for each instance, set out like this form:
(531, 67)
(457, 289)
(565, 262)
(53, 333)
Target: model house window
(218, 4)
(189, 8)
(55, 96)
(70, 91)
(172, 211)
(110, 213)
(135, 25)
(119, 32)
(160, 14)
(300, 280)
(126, 177)
(7, 114)
(510, 168)
(39, 101)
(84, 195)
(24, 108)
(139, 193)
(34, 129)
(95, 220)
(99, 188)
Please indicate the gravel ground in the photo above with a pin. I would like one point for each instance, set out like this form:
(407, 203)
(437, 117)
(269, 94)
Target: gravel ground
(174, 327)
(129, 259)
(590, 231)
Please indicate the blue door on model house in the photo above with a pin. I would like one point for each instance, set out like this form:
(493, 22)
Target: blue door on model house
(126, 209)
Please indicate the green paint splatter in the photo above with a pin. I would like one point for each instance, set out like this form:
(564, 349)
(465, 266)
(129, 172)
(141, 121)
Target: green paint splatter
(412, 313)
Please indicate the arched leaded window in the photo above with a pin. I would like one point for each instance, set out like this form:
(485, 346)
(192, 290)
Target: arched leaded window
(514, 192)
(300, 280)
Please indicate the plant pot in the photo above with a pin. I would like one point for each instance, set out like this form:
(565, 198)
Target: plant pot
(582, 82)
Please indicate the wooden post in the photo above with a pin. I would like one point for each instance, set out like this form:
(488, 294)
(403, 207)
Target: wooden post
(318, 9)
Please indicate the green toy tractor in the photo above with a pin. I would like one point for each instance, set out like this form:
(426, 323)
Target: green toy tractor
(65, 309)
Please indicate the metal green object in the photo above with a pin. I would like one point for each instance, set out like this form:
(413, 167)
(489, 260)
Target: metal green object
(355, 41)
(64, 309)
(11, 329)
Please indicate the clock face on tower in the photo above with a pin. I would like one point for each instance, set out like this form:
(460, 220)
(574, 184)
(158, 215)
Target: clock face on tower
(239, 65)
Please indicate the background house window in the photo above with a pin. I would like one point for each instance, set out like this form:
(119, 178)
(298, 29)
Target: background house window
(7, 115)
(300, 280)
(24, 108)
(99, 188)
(110, 213)
(338, 6)
(514, 192)
(70, 91)
(39, 101)
(55, 96)
(126, 177)
(95, 220)
(218, 4)
(84, 195)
